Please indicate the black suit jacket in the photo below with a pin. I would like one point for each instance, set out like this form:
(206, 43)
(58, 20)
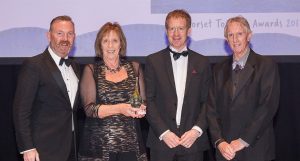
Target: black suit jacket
(249, 113)
(42, 109)
(162, 99)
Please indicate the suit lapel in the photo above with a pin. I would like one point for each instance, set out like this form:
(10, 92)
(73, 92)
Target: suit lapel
(77, 72)
(246, 73)
(228, 78)
(56, 74)
(75, 69)
(189, 72)
(168, 65)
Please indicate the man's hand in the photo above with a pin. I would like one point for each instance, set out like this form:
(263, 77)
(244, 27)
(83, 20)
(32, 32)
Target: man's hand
(189, 137)
(31, 155)
(171, 139)
(226, 150)
(237, 145)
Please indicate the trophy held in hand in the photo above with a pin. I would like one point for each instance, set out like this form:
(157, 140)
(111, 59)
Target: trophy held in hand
(136, 100)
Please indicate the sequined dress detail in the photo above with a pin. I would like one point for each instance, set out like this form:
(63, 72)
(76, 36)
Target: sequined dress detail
(117, 133)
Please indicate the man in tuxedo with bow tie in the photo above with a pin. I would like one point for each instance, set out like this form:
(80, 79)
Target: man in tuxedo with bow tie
(46, 99)
(243, 99)
(177, 81)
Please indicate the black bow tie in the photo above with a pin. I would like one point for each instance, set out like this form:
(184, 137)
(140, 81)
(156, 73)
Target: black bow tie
(66, 61)
(176, 55)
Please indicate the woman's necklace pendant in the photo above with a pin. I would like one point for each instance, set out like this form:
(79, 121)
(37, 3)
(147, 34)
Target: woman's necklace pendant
(115, 70)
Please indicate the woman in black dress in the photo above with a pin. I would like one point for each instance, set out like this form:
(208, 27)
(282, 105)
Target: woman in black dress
(111, 130)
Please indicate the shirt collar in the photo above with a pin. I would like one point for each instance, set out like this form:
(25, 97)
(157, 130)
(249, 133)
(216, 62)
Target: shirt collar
(55, 57)
(242, 61)
(183, 49)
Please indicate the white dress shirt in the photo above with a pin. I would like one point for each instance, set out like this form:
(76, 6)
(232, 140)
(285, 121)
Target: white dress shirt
(179, 71)
(179, 67)
(68, 75)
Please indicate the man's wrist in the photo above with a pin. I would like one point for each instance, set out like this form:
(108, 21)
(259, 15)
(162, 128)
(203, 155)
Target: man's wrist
(243, 142)
(219, 141)
(197, 128)
(27, 151)
(162, 135)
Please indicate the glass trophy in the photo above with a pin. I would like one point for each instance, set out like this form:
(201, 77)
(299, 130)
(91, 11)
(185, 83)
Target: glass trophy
(136, 100)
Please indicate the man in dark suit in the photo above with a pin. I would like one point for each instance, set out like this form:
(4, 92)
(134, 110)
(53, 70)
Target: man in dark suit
(46, 99)
(177, 81)
(243, 99)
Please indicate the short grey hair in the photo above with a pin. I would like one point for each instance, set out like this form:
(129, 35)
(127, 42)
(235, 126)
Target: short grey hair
(239, 19)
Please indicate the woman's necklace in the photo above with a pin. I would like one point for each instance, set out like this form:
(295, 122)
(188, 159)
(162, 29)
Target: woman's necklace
(115, 70)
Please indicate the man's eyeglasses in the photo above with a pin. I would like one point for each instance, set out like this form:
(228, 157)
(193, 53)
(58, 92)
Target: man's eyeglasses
(178, 29)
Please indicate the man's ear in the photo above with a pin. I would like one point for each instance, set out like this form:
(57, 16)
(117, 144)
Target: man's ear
(249, 36)
(189, 31)
(226, 39)
(48, 36)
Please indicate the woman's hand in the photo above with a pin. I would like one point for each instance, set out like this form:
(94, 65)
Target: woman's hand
(128, 110)
(141, 111)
